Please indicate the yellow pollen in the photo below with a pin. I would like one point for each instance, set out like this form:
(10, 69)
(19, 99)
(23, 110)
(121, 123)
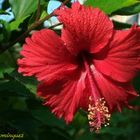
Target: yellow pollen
(98, 114)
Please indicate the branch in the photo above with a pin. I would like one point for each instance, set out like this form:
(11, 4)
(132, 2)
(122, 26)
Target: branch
(55, 25)
(38, 11)
(33, 26)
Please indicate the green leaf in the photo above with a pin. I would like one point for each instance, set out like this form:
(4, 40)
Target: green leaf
(5, 4)
(134, 9)
(53, 134)
(7, 63)
(109, 6)
(85, 136)
(5, 30)
(22, 9)
(46, 117)
(22, 121)
(5, 70)
(43, 14)
(14, 88)
(136, 82)
(28, 82)
(120, 25)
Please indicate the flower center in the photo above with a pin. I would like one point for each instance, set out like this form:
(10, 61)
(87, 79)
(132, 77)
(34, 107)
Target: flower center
(82, 56)
(98, 112)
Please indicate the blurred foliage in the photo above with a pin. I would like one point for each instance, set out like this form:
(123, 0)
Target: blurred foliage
(22, 112)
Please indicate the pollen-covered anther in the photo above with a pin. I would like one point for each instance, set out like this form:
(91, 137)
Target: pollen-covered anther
(98, 114)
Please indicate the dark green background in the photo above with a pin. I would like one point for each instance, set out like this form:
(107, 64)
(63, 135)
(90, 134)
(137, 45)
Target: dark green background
(22, 112)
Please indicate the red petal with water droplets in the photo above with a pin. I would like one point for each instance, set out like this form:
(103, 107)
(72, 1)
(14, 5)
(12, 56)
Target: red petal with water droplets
(121, 61)
(85, 28)
(64, 96)
(46, 57)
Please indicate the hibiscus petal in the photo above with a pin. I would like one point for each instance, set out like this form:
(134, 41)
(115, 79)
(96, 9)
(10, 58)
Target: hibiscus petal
(122, 61)
(85, 28)
(64, 96)
(116, 94)
(46, 57)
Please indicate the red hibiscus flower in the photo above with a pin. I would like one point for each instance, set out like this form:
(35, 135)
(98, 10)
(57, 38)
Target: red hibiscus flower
(90, 66)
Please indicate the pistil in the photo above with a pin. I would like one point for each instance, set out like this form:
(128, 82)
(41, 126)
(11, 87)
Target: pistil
(98, 112)
(99, 109)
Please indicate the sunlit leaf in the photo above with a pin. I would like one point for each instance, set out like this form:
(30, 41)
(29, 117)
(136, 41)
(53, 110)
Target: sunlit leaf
(109, 6)
(22, 9)
(134, 9)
